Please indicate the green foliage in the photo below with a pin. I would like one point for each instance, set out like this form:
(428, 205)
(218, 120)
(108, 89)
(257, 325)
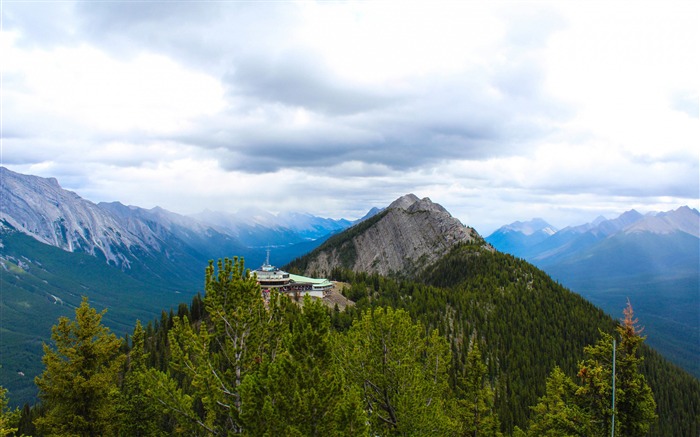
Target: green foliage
(405, 360)
(301, 391)
(527, 323)
(558, 413)
(79, 383)
(9, 419)
(587, 409)
(212, 360)
(137, 414)
(30, 309)
(402, 372)
(476, 405)
(634, 403)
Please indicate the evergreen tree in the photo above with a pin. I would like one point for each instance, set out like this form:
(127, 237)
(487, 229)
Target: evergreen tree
(634, 403)
(8, 418)
(300, 392)
(25, 425)
(476, 404)
(211, 361)
(558, 413)
(79, 383)
(137, 414)
(401, 372)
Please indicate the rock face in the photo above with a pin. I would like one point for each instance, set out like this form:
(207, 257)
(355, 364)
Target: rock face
(124, 235)
(41, 208)
(409, 234)
(120, 234)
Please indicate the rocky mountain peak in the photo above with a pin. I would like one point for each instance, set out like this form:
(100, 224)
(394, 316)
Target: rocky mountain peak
(529, 227)
(404, 202)
(683, 219)
(409, 235)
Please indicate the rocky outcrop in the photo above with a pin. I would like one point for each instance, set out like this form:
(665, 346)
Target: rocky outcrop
(410, 234)
(42, 209)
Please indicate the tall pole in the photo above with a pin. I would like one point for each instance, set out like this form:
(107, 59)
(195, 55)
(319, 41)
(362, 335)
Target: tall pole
(612, 433)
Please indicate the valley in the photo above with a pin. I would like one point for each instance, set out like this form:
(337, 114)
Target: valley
(411, 256)
(653, 260)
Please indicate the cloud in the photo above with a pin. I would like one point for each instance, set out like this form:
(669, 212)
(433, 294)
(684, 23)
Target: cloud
(334, 107)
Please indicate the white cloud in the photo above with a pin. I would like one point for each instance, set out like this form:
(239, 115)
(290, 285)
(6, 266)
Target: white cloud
(86, 88)
(499, 111)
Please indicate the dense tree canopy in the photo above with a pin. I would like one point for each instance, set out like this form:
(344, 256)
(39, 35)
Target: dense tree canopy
(464, 350)
(79, 384)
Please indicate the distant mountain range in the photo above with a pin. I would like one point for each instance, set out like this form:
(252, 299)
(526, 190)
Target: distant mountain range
(652, 259)
(56, 246)
(40, 208)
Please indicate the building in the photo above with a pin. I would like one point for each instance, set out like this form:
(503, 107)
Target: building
(271, 278)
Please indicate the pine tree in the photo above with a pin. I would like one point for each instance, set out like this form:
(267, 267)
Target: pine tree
(475, 408)
(8, 418)
(240, 333)
(300, 392)
(635, 405)
(558, 413)
(401, 373)
(634, 402)
(137, 414)
(79, 383)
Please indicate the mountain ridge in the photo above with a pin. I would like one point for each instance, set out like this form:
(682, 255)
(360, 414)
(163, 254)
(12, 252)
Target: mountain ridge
(42, 209)
(408, 234)
(653, 259)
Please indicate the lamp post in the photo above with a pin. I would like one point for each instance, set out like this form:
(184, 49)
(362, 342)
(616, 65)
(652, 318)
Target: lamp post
(612, 432)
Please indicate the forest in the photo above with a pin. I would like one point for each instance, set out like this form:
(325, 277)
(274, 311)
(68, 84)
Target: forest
(479, 343)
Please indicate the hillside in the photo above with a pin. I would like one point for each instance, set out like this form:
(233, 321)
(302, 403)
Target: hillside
(41, 282)
(524, 323)
(528, 322)
(56, 247)
(652, 259)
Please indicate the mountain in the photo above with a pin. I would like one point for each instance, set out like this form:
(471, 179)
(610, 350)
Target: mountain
(516, 238)
(41, 208)
(652, 259)
(409, 233)
(525, 322)
(440, 271)
(56, 247)
(256, 227)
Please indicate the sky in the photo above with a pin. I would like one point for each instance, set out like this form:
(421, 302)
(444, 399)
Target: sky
(499, 111)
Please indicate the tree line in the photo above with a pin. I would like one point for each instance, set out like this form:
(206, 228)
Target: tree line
(410, 358)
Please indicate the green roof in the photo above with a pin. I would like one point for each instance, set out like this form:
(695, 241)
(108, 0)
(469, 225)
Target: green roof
(304, 279)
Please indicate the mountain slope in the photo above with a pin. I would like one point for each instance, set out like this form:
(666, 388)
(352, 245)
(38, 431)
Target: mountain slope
(526, 322)
(409, 233)
(56, 247)
(652, 259)
(41, 282)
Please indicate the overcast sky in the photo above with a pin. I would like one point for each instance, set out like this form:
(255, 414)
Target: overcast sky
(499, 111)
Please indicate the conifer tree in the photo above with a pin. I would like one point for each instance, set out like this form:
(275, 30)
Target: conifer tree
(211, 360)
(558, 413)
(401, 372)
(8, 418)
(634, 402)
(475, 408)
(79, 384)
(300, 392)
(137, 414)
